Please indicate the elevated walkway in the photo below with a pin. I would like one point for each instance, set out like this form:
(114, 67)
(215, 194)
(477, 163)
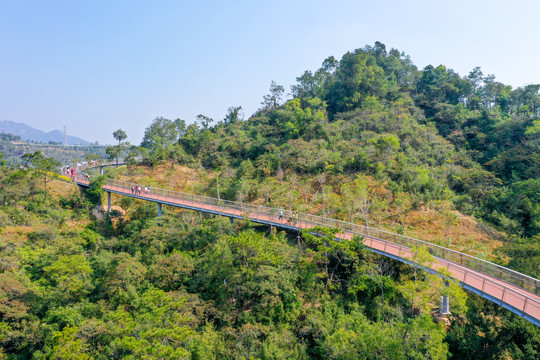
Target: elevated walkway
(516, 292)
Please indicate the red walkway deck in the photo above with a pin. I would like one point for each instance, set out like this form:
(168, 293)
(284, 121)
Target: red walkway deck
(512, 290)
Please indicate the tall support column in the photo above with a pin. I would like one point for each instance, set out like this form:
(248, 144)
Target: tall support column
(101, 170)
(159, 213)
(109, 202)
(445, 302)
(445, 305)
(231, 219)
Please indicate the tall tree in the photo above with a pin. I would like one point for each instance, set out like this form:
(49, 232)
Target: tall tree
(234, 114)
(160, 139)
(45, 165)
(361, 197)
(273, 100)
(161, 131)
(357, 77)
(180, 127)
(120, 135)
(112, 152)
(422, 288)
(204, 120)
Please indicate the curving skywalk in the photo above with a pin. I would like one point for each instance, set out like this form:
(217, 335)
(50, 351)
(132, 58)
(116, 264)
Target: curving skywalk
(516, 292)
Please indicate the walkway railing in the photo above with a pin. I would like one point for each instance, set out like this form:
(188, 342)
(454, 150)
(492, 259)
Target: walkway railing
(500, 272)
(511, 289)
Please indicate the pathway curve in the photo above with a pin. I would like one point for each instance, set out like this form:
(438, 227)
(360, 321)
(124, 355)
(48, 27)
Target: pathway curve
(510, 289)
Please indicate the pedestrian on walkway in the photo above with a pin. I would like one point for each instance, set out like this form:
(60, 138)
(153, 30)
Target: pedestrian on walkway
(280, 215)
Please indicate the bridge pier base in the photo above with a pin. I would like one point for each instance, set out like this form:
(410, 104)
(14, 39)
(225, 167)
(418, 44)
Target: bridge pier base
(101, 170)
(445, 305)
(159, 213)
(109, 201)
(445, 302)
(231, 219)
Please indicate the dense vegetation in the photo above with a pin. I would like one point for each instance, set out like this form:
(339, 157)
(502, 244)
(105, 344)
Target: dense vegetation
(378, 139)
(191, 286)
(370, 139)
(13, 148)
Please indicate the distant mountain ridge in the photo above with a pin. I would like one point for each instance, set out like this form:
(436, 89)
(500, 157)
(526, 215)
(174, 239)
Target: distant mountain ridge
(29, 133)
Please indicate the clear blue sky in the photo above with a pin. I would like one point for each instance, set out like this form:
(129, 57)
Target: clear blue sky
(97, 66)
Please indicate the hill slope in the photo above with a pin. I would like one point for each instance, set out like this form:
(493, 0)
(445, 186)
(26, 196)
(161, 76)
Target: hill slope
(428, 138)
(29, 133)
(369, 139)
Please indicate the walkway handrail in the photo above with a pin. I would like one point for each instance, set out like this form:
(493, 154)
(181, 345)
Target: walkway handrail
(497, 271)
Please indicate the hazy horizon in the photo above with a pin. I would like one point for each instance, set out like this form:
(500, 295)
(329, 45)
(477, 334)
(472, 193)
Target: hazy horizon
(98, 66)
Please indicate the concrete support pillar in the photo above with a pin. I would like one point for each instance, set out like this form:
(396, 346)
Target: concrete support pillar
(159, 213)
(445, 303)
(231, 219)
(101, 170)
(109, 202)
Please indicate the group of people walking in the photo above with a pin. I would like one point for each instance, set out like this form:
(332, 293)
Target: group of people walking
(293, 219)
(137, 189)
(70, 171)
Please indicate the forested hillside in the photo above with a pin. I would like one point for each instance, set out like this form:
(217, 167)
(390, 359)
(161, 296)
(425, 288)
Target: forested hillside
(369, 139)
(81, 286)
(13, 148)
